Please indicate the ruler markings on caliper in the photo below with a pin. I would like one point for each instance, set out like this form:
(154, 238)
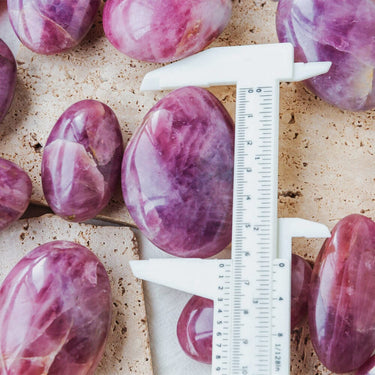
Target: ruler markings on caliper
(246, 321)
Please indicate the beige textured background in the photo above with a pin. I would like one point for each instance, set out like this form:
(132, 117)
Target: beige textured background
(326, 168)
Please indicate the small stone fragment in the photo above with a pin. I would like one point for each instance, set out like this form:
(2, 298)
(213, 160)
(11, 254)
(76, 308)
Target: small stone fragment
(15, 192)
(194, 329)
(8, 78)
(340, 31)
(49, 27)
(301, 275)
(81, 162)
(341, 301)
(164, 30)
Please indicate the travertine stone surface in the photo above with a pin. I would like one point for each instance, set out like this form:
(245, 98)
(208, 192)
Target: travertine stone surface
(326, 168)
(127, 350)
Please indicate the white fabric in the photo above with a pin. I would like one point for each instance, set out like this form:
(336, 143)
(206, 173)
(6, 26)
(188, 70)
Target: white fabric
(164, 306)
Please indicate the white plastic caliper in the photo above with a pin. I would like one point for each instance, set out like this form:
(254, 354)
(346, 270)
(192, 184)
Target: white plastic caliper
(252, 290)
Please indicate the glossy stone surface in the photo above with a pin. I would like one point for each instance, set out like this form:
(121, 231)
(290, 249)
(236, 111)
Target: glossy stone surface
(15, 192)
(194, 329)
(301, 275)
(195, 325)
(341, 302)
(341, 31)
(164, 30)
(55, 312)
(177, 174)
(53, 26)
(8, 78)
(368, 368)
(82, 160)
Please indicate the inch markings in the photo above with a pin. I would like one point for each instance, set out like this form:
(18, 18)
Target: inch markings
(254, 227)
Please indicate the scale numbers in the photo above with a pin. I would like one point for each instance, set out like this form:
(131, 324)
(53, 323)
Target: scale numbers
(221, 339)
(254, 230)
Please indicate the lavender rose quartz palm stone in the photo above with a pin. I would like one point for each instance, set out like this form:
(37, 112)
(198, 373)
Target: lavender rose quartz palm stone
(341, 302)
(15, 192)
(8, 78)
(55, 312)
(164, 30)
(194, 329)
(195, 325)
(177, 174)
(81, 162)
(53, 26)
(341, 31)
(301, 275)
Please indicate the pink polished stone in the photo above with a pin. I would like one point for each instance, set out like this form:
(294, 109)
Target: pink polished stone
(164, 30)
(82, 160)
(195, 325)
(194, 329)
(8, 78)
(55, 312)
(341, 302)
(341, 31)
(15, 192)
(368, 368)
(52, 26)
(301, 275)
(177, 174)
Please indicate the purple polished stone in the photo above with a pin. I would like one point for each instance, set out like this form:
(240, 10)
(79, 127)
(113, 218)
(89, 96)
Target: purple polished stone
(341, 302)
(82, 160)
(301, 275)
(15, 192)
(177, 174)
(195, 325)
(341, 31)
(368, 368)
(164, 30)
(8, 78)
(194, 329)
(52, 26)
(55, 312)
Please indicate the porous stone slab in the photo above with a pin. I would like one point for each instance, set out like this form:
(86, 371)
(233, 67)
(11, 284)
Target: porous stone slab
(326, 164)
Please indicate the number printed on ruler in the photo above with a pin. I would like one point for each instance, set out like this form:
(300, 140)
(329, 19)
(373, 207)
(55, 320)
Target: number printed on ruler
(254, 219)
(221, 338)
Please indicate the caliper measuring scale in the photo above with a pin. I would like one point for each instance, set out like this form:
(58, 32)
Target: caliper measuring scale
(251, 291)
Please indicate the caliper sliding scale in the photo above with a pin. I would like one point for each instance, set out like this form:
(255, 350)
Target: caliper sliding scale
(251, 291)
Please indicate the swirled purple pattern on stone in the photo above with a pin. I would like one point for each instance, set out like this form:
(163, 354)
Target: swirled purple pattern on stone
(368, 368)
(341, 31)
(8, 78)
(15, 192)
(55, 312)
(164, 30)
(301, 275)
(194, 329)
(341, 302)
(52, 26)
(177, 174)
(81, 162)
